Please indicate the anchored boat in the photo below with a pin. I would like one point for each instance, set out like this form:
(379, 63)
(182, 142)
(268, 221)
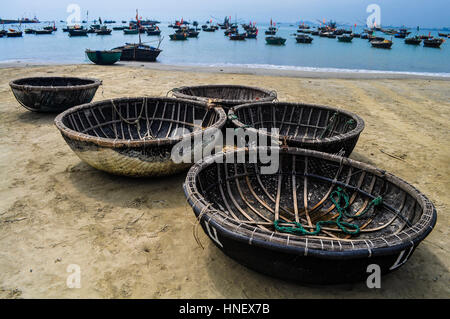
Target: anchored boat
(275, 40)
(107, 57)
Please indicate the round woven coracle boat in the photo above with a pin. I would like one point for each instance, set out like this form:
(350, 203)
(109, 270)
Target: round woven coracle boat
(310, 126)
(321, 219)
(226, 96)
(135, 136)
(53, 94)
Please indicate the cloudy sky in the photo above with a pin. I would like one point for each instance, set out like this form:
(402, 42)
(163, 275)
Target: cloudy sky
(426, 13)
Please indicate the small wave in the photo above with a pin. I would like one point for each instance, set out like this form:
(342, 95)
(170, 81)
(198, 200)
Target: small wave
(317, 69)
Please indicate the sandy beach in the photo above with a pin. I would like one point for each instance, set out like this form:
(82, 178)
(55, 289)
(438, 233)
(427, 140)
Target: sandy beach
(133, 238)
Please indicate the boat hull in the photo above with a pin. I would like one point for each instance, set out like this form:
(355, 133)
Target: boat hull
(134, 53)
(275, 41)
(297, 266)
(104, 57)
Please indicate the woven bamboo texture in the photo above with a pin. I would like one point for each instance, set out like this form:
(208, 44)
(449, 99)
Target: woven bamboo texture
(53, 94)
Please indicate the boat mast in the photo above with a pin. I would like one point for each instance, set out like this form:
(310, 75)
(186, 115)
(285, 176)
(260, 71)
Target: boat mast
(138, 26)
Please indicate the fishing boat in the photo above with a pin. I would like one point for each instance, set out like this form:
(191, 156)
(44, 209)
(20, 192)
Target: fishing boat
(53, 94)
(78, 33)
(319, 219)
(303, 38)
(400, 35)
(209, 29)
(251, 35)
(154, 32)
(385, 44)
(139, 52)
(108, 57)
(53, 28)
(226, 96)
(271, 31)
(130, 31)
(416, 40)
(43, 31)
(103, 31)
(356, 35)
(119, 28)
(136, 136)
(192, 33)
(319, 128)
(238, 36)
(29, 31)
(375, 38)
(345, 38)
(433, 42)
(14, 34)
(179, 36)
(275, 40)
(445, 35)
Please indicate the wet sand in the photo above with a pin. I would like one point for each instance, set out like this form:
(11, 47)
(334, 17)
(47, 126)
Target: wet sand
(132, 238)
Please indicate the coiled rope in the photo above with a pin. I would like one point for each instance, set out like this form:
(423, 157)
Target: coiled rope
(341, 200)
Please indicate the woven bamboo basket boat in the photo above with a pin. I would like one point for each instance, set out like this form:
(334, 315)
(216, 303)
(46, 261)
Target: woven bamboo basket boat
(226, 96)
(302, 125)
(322, 219)
(135, 136)
(53, 94)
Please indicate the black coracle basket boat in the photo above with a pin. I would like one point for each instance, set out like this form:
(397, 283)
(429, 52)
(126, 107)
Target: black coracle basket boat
(310, 126)
(322, 219)
(135, 136)
(226, 96)
(53, 94)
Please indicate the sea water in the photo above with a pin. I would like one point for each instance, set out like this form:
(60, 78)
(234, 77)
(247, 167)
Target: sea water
(215, 49)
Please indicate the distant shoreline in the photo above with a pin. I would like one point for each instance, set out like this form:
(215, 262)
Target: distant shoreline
(262, 70)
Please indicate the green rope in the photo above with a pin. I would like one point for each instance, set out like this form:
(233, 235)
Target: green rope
(347, 124)
(342, 201)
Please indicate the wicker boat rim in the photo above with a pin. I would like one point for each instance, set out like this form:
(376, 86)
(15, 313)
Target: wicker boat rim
(294, 244)
(95, 83)
(272, 95)
(111, 142)
(327, 140)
